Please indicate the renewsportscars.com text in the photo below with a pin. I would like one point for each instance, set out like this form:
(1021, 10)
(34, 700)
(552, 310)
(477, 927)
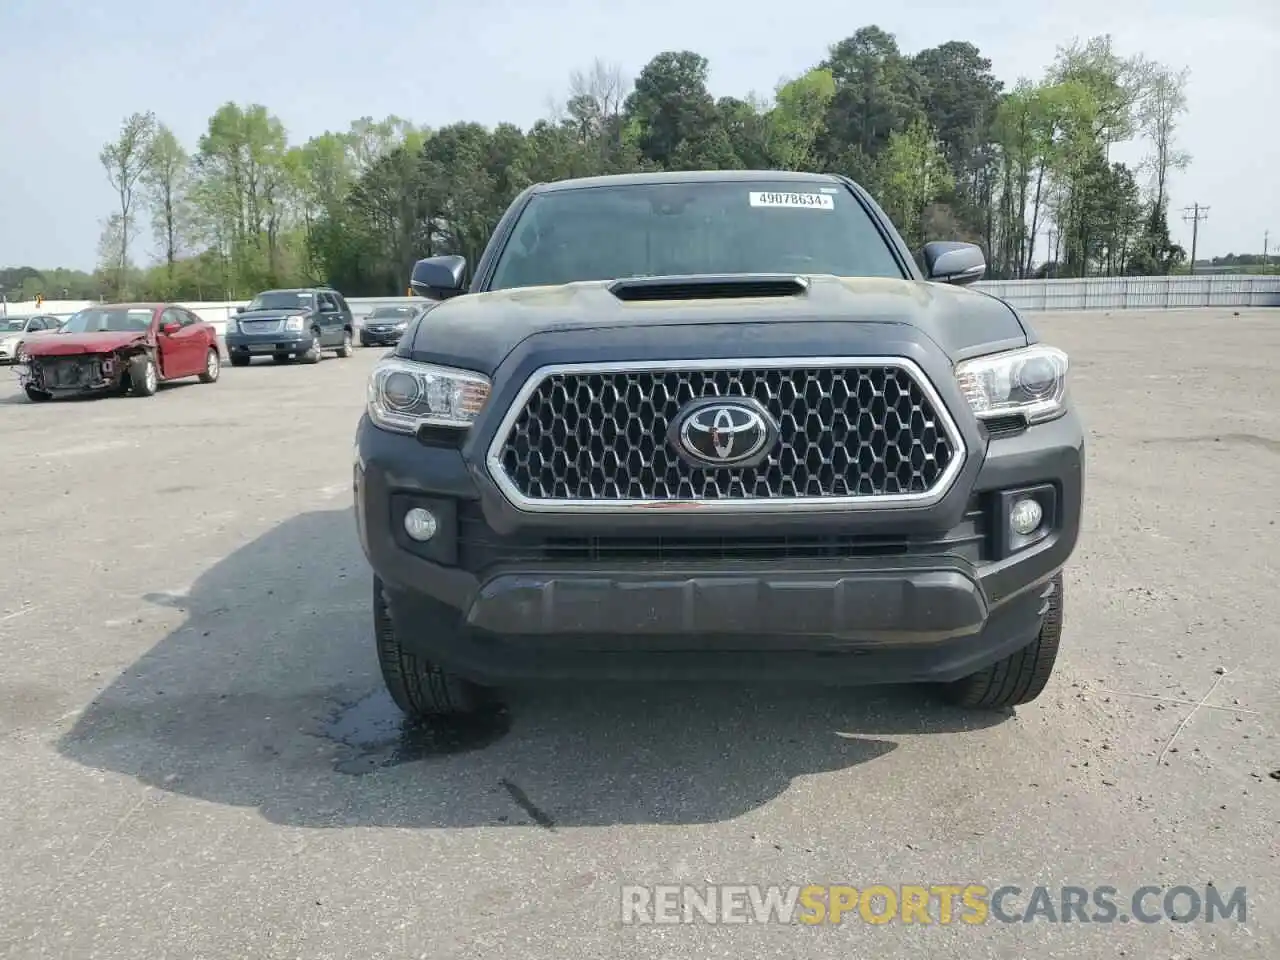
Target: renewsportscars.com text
(940, 904)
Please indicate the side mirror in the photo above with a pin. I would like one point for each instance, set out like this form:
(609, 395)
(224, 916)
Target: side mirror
(439, 277)
(169, 329)
(948, 261)
(239, 309)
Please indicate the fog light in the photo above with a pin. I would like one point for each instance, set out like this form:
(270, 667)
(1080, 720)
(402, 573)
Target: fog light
(420, 524)
(1024, 517)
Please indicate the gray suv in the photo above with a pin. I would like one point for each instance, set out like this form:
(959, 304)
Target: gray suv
(283, 324)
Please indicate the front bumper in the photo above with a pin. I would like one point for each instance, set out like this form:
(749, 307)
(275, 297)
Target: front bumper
(927, 594)
(96, 374)
(268, 344)
(379, 337)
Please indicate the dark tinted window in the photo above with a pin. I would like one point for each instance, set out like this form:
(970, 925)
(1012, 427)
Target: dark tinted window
(602, 233)
(281, 300)
(392, 313)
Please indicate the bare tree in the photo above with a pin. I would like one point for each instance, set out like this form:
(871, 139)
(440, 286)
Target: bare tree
(596, 97)
(109, 257)
(164, 181)
(125, 161)
(1158, 113)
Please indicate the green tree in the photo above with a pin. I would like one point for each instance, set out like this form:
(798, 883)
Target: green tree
(674, 117)
(798, 120)
(878, 94)
(913, 174)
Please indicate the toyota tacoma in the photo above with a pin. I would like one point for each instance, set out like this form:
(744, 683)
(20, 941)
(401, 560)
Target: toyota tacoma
(715, 425)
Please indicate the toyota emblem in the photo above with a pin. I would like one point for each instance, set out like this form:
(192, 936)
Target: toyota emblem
(723, 432)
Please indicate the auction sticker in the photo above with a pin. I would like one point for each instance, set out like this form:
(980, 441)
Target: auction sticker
(808, 201)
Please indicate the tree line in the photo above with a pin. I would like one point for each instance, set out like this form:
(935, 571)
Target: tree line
(942, 144)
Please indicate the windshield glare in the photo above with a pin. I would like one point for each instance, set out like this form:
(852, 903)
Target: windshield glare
(109, 320)
(388, 313)
(673, 229)
(14, 323)
(283, 300)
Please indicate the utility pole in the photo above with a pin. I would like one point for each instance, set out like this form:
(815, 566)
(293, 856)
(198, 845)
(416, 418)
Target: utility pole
(1266, 235)
(1193, 215)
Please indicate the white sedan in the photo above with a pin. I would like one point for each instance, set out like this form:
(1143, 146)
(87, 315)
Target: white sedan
(14, 331)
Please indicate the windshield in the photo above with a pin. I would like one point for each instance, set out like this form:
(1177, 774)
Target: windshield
(110, 320)
(672, 229)
(391, 313)
(280, 300)
(13, 323)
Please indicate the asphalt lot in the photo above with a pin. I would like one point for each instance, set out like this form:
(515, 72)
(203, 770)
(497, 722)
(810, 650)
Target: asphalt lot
(198, 759)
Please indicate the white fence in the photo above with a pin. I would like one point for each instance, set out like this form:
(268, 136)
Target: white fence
(1137, 293)
(1094, 293)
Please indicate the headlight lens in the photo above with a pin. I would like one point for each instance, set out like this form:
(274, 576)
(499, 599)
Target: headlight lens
(293, 323)
(404, 395)
(233, 326)
(1031, 382)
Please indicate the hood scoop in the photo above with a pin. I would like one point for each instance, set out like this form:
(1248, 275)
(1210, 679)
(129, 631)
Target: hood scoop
(708, 287)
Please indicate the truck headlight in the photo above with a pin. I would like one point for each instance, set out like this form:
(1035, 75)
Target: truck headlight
(293, 323)
(231, 327)
(404, 395)
(1031, 381)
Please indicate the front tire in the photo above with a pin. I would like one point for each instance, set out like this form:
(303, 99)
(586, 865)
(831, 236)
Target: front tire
(420, 688)
(345, 350)
(212, 367)
(313, 352)
(1020, 677)
(144, 379)
(239, 361)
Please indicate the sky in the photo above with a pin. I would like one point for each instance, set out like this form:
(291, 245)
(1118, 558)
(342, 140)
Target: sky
(73, 70)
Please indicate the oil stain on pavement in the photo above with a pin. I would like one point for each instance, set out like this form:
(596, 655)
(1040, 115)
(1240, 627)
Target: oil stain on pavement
(375, 734)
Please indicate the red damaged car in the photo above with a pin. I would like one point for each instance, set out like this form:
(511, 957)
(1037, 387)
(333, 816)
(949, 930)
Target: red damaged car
(120, 348)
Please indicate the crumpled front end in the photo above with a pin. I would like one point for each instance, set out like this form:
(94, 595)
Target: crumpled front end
(74, 373)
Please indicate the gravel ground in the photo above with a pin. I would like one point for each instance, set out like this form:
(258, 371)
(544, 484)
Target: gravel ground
(199, 759)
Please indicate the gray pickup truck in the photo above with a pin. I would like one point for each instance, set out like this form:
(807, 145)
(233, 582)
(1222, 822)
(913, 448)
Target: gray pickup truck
(715, 425)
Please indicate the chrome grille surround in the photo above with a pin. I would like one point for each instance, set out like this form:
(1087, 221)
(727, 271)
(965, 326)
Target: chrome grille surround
(808, 471)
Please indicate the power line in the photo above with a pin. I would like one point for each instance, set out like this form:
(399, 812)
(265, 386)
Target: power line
(1193, 215)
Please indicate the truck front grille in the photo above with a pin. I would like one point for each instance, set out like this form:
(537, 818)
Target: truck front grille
(261, 326)
(848, 432)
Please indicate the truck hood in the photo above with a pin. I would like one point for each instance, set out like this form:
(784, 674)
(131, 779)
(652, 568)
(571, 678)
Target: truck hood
(66, 344)
(477, 331)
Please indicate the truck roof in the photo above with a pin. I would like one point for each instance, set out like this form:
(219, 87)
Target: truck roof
(686, 176)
